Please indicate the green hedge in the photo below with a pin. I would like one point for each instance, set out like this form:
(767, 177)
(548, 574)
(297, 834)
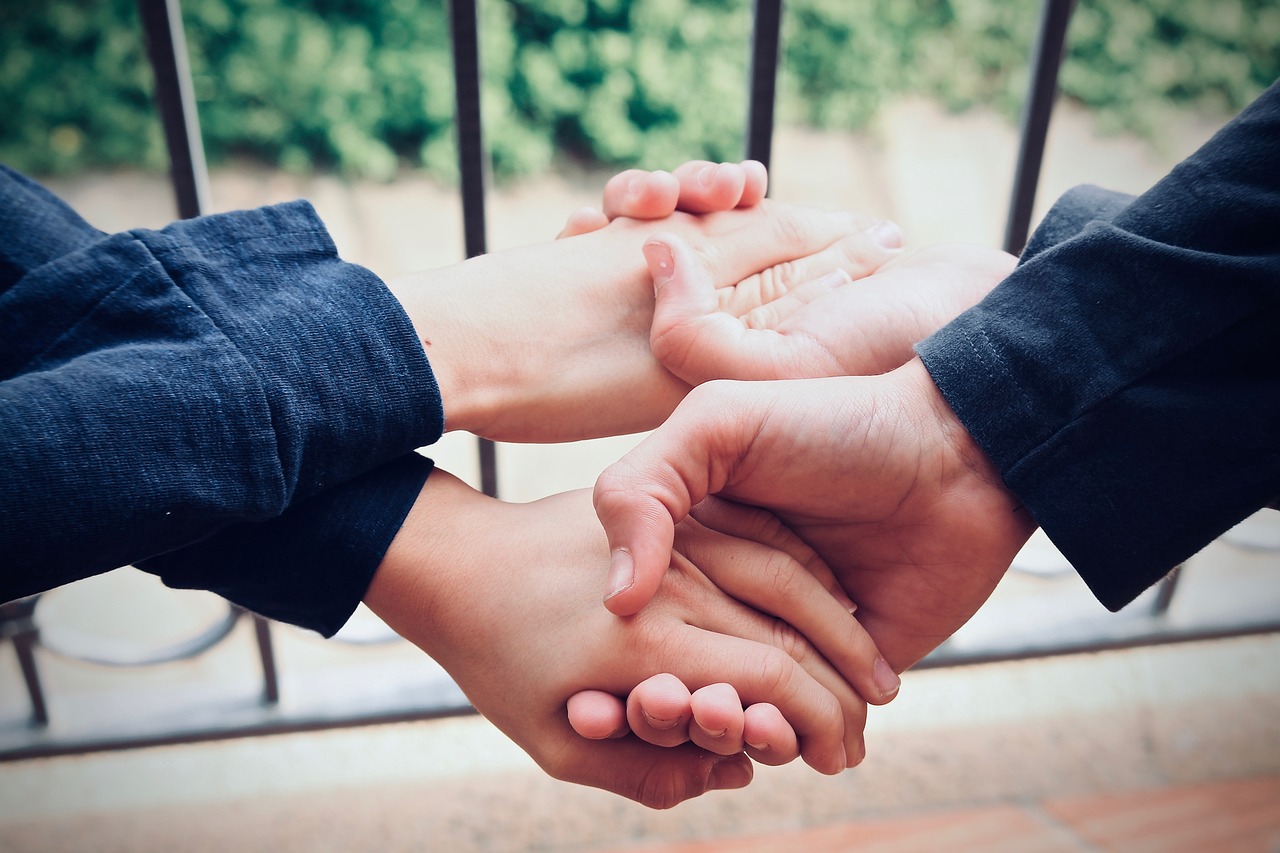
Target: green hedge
(364, 86)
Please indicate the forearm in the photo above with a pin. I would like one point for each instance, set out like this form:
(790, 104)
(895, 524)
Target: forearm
(1123, 380)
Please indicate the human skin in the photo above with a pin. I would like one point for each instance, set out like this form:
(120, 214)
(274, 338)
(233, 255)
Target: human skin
(827, 327)
(697, 186)
(598, 330)
(584, 369)
(661, 710)
(471, 580)
(830, 326)
(875, 473)
(884, 432)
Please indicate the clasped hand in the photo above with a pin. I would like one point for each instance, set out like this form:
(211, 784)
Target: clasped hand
(874, 474)
(744, 611)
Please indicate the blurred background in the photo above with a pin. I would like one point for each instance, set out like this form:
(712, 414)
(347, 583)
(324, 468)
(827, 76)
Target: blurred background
(359, 87)
(908, 110)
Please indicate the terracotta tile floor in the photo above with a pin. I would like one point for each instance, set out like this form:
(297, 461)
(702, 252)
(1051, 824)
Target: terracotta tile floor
(1238, 816)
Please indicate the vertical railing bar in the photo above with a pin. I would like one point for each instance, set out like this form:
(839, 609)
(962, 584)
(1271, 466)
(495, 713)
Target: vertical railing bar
(266, 651)
(1165, 592)
(24, 645)
(17, 619)
(175, 98)
(471, 167)
(763, 77)
(1046, 59)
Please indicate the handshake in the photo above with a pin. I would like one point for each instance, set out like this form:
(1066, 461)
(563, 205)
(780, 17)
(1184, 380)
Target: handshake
(807, 520)
(850, 442)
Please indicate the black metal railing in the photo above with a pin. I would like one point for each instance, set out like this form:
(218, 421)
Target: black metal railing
(263, 706)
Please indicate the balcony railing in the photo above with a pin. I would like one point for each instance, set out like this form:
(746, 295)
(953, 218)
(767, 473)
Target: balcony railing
(370, 683)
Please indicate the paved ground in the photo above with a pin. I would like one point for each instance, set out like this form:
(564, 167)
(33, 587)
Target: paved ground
(1173, 748)
(1237, 815)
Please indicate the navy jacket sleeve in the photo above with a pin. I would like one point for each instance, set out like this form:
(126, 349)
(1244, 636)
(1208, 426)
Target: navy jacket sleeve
(158, 386)
(1125, 379)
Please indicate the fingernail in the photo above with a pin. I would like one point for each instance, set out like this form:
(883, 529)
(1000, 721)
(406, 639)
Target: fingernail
(857, 756)
(758, 747)
(729, 774)
(633, 185)
(661, 265)
(885, 678)
(835, 278)
(887, 234)
(622, 572)
(655, 722)
(707, 175)
(845, 601)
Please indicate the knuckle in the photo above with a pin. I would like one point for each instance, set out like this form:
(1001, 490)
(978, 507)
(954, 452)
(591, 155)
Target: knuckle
(861, 255)
(762, 318)
(790, 641)
(784, 575)
(763, 523)
(778, 280)
(791, 233)
(777, 671)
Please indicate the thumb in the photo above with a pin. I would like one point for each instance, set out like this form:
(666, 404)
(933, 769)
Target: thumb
(691, 336)
(641, 497)
(640, 528)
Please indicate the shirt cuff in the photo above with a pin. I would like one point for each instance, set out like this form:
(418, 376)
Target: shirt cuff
(312, 565)
(346, 379)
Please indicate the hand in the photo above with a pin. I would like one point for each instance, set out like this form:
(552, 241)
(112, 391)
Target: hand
(697, 186)
(833, 326)
(550, 342)
(875, 473)
(775, 573)
(500, 595)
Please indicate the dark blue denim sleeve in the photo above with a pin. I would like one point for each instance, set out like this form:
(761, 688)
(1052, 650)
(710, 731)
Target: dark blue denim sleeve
(1125, 379)
(158, 386)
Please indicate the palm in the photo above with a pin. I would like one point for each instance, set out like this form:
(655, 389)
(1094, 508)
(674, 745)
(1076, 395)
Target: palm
(822, 328)
(914, 585)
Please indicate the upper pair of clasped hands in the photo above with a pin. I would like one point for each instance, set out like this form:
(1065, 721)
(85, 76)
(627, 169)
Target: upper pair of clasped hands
(918, 561)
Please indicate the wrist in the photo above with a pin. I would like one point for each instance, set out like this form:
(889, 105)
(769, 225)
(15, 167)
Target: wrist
(454, 312)
(969, 470)
(545, 343)
(416, 582)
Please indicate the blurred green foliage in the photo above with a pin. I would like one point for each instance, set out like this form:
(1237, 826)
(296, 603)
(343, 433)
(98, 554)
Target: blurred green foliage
(365, 86)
